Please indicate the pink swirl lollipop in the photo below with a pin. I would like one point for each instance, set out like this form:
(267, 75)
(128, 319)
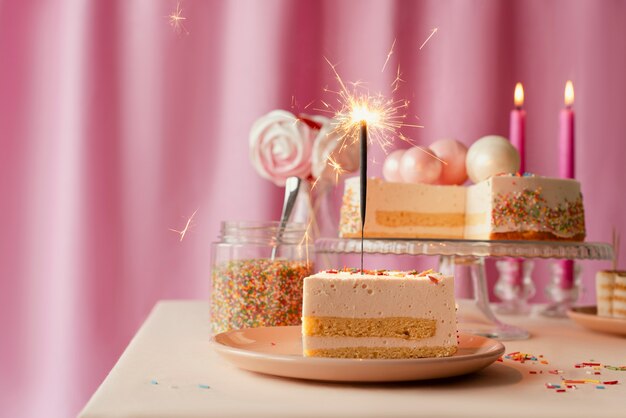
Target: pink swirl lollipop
(281, 146)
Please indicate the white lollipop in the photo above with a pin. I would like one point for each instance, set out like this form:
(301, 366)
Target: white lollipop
(491, 155)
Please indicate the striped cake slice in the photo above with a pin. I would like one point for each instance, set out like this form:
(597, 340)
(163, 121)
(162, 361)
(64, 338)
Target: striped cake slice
(605, 284)
(379, 314)
(619, 295)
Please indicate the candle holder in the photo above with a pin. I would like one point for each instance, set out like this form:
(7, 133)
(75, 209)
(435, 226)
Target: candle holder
(561, 296)
(515, 286)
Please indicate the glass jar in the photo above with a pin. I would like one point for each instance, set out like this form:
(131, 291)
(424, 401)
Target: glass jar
(257, 274)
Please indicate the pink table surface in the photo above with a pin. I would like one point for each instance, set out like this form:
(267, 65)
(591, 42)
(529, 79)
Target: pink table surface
(172, 348)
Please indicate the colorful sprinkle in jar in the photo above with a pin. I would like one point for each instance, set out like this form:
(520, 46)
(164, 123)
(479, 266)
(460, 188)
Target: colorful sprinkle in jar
(257, 274)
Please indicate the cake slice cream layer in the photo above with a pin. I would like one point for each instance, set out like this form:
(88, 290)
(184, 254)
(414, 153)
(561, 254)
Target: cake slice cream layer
(379, 315)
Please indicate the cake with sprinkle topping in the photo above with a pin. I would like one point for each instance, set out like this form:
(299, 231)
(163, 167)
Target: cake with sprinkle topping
(502, 207)
(379, 314)
(510, 207)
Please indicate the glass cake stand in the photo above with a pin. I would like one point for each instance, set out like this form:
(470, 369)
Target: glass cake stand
(475, 316)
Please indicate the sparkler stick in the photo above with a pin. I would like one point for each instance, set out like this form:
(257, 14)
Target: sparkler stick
(363, 189)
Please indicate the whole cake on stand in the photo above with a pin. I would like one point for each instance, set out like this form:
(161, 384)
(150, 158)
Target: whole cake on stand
(503, 207)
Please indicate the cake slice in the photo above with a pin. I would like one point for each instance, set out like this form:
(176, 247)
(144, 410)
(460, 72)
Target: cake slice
(510, 207)
(379, 314)
(605, 284)
(619, 295)
(403, 210)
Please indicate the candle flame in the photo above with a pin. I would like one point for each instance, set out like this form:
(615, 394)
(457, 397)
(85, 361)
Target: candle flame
(569, 93)
(518, 96)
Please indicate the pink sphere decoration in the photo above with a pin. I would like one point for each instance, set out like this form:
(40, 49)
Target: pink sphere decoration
(391, 167)
(418, 165)
(453, 153)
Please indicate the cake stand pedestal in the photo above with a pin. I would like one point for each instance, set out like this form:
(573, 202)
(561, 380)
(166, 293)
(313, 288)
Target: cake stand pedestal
(475, 315)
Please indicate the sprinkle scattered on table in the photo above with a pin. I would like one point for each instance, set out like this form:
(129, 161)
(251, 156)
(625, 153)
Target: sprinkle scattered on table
(616, 368)
(154, 382)
(203, 386)
(571, 383)
(521, 357)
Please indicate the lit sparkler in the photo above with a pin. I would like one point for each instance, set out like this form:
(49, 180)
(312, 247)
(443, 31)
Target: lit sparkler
(434, 31)
(177, 20)
(384, 116)
(184, 231)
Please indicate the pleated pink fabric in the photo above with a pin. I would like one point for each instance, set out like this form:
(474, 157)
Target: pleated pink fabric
(116, 127)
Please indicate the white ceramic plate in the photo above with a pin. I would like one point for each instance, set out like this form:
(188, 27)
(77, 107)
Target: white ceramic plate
(278, 351)
(587, 316)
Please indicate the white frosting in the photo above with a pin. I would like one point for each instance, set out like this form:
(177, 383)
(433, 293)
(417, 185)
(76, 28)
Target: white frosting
(352, 295)
(346, 294)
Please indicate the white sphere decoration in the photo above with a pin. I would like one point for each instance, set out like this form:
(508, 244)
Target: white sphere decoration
(418, 165)
(491, 155)
(391, 166)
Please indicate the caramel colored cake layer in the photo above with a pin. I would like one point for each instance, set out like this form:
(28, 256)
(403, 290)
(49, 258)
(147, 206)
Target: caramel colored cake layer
(405, 218)
(383, 352)
(532, 236)
(404, 328)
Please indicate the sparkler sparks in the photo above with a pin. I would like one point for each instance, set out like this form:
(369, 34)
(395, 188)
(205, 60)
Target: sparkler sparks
(177, 20)
(429, 36)
(389, 55)
(396, 83)
(337, 168)
(384, 116)
(184, 231)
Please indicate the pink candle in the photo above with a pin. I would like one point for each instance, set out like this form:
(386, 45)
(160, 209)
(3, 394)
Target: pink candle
(566, 165)
(566, 135)
(517, 136)
(517, 126)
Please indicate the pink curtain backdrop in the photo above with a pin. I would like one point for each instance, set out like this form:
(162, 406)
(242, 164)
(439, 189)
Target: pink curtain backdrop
(115, 128)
